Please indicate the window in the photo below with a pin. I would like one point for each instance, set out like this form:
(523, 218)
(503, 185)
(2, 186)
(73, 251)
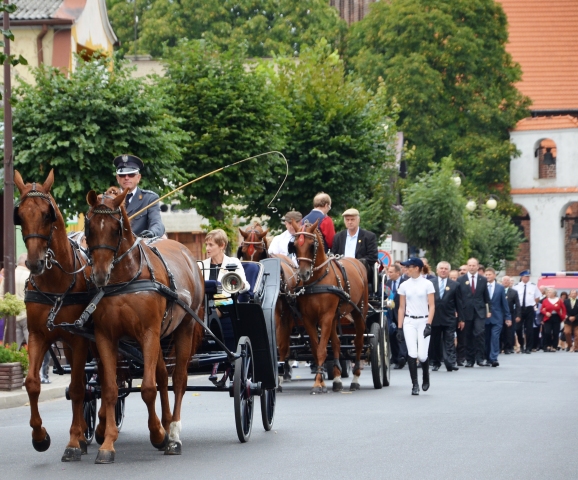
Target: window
(546, 153)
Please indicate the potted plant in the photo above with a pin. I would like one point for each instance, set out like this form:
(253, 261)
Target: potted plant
(13, 362)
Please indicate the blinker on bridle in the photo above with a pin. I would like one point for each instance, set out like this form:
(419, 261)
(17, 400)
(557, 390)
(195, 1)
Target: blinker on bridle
(251, 250)
(302, 234)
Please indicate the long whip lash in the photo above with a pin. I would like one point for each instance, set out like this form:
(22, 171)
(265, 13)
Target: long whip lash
(219, 170)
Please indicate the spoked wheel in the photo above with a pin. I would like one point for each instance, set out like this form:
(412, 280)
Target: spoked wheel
(386, 352)
(90, 419)
(376, 355)
(242, 379)
(268, 400)
(119, 412)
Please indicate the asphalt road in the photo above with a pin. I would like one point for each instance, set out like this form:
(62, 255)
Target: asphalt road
(515, 421)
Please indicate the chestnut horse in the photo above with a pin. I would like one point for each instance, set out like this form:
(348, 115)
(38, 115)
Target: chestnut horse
(145, 315)
(330, 290)
(254, 245)
(56, 280)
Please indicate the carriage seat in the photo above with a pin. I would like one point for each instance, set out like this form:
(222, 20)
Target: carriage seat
(254, 275)
(211, 287)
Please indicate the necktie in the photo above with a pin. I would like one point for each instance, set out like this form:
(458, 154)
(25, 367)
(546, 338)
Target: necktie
(127, 199)
(473, 285)
(442, 287)
(524, 297)
(394, 285)
(491, 289)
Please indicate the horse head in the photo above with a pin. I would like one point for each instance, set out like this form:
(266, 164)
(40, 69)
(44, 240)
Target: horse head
(106, 226)
(38, 216)
(254, 244)
(306, 247)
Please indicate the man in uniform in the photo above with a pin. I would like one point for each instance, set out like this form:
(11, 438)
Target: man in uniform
(147, 224)
(529, 295)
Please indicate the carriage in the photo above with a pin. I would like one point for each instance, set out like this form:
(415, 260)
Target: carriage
(239, 351)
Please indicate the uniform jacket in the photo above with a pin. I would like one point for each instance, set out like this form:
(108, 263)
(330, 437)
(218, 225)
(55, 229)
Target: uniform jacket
(446, 306)
(473, 304)
(325, 226)
(498, 306)
(548, 306)
(513, 303)
(150, 219)
(365, 250)
(394, 311)
(571, 312)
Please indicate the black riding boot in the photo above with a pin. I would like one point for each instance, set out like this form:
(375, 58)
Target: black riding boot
(425, 369)
(412, 365)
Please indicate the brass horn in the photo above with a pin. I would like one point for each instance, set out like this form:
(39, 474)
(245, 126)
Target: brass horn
(232, 283)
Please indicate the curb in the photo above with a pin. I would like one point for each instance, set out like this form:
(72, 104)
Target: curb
(19, 398)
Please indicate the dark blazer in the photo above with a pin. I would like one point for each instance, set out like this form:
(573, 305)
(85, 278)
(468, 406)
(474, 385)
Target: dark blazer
(395, 310)
(571, 312)
(499, 306)
(513, 303)
(365, 250)
(150, 219)
(473, 304)
(447, 305)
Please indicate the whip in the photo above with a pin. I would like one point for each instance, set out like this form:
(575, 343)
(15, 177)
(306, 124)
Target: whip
(219, 170)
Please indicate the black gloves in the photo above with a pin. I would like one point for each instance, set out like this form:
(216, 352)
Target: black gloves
(427, 331)
(147, 234)
(399, 335)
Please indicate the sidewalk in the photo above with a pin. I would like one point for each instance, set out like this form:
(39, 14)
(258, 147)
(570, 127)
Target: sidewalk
(51, 391)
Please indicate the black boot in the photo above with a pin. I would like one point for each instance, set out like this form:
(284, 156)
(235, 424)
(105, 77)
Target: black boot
(412, 365)
(425, 369)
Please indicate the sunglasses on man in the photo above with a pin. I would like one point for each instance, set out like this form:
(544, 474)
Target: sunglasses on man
(129, 175)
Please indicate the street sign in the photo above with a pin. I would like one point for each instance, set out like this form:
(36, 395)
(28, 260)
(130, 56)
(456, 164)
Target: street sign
(384, 258)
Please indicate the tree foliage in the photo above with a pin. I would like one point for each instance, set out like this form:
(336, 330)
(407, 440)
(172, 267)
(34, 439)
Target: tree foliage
(265, 26)
(433, 216)
(231, 113)
(445, 63)
(121, 14)
(335, 141)
(78, 123)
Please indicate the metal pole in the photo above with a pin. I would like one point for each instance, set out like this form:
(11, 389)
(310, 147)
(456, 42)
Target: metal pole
(9, 234)
(135, 30)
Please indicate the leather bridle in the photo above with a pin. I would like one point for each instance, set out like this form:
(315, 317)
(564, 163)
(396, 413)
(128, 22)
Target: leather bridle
(18, 221)
(252, 244)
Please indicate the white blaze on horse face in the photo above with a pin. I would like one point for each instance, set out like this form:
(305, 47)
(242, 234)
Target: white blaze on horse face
(102, 223)
(175, 431)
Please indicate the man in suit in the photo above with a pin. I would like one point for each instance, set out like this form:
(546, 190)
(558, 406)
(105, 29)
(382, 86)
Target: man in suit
(356, 242)
(447, 301)
(475, 308)
(398, 349)
(508, 330)
(499, 312)
(147, 224)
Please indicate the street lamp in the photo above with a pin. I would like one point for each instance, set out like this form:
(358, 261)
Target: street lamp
(457, 177)
(492, 203)
(471, 205)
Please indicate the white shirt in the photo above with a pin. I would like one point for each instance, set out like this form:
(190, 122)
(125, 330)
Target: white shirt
(475, 279)
(279, 244)
(131, 196)
(416, 291)
(532, 293)
(351, 244)
(491, 289)
(226, 261)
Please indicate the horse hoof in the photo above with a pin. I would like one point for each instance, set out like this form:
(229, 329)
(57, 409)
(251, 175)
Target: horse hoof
(104, 456)
(316, 390)
(173, 448)
(280, 389)
(323, 389)
(163, 444)
(98, 438)
(287, 377)
(43, 445)
(83, 447)
(337, 386)
(354, 386)
(72, 455)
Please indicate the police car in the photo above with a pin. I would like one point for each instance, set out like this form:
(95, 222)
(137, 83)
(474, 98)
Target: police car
(561, 281)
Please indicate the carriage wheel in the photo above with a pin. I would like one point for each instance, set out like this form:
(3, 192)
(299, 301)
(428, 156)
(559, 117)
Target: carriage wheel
(268, 400)
(242, 378)
(119, 412)
(90, 419)
(386, 357)
(345, 368)
(376, 355)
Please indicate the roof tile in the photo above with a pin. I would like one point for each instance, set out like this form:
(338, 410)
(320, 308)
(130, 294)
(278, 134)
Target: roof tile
(35, 9)
(547, 123)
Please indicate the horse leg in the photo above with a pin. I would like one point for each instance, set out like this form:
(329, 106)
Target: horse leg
(108, 349)
(163, 383)
(37, 347)
(183, 346)
(100, 429)
(336, 347)
(77, 444)
(359, 323)
(311, 329)
(327, 323)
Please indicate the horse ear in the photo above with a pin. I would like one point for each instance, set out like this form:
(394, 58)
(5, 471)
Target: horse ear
(240, 253)
(49, 180)
(119, 199)
(243, 233)
(91, 198)
(18, 181)
(313, 227)
(264, 234)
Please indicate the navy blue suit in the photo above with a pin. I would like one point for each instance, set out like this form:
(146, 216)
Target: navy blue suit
(500, 313)
(149, 219)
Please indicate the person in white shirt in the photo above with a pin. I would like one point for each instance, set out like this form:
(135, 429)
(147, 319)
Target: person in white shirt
(415, 316)
(529, 296)
(279, 244)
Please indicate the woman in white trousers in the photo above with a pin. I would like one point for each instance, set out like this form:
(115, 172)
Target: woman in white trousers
(416, 312)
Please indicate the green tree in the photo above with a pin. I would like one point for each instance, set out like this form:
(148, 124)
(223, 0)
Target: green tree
(433, 216)
(265, 26)
(121, 14)
(231, 113)
(78, 123)
(445, 62)
(335, 141)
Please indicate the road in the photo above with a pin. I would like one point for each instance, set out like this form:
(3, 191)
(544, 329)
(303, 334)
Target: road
(514, 421)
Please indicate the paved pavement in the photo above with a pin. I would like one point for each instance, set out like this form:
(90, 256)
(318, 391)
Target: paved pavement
(50, 391)
(515, 421)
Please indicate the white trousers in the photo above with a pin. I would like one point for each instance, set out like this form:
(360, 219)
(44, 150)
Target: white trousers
(417, 346)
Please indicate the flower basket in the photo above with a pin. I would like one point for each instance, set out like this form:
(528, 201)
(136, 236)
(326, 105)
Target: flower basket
(13, 366)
